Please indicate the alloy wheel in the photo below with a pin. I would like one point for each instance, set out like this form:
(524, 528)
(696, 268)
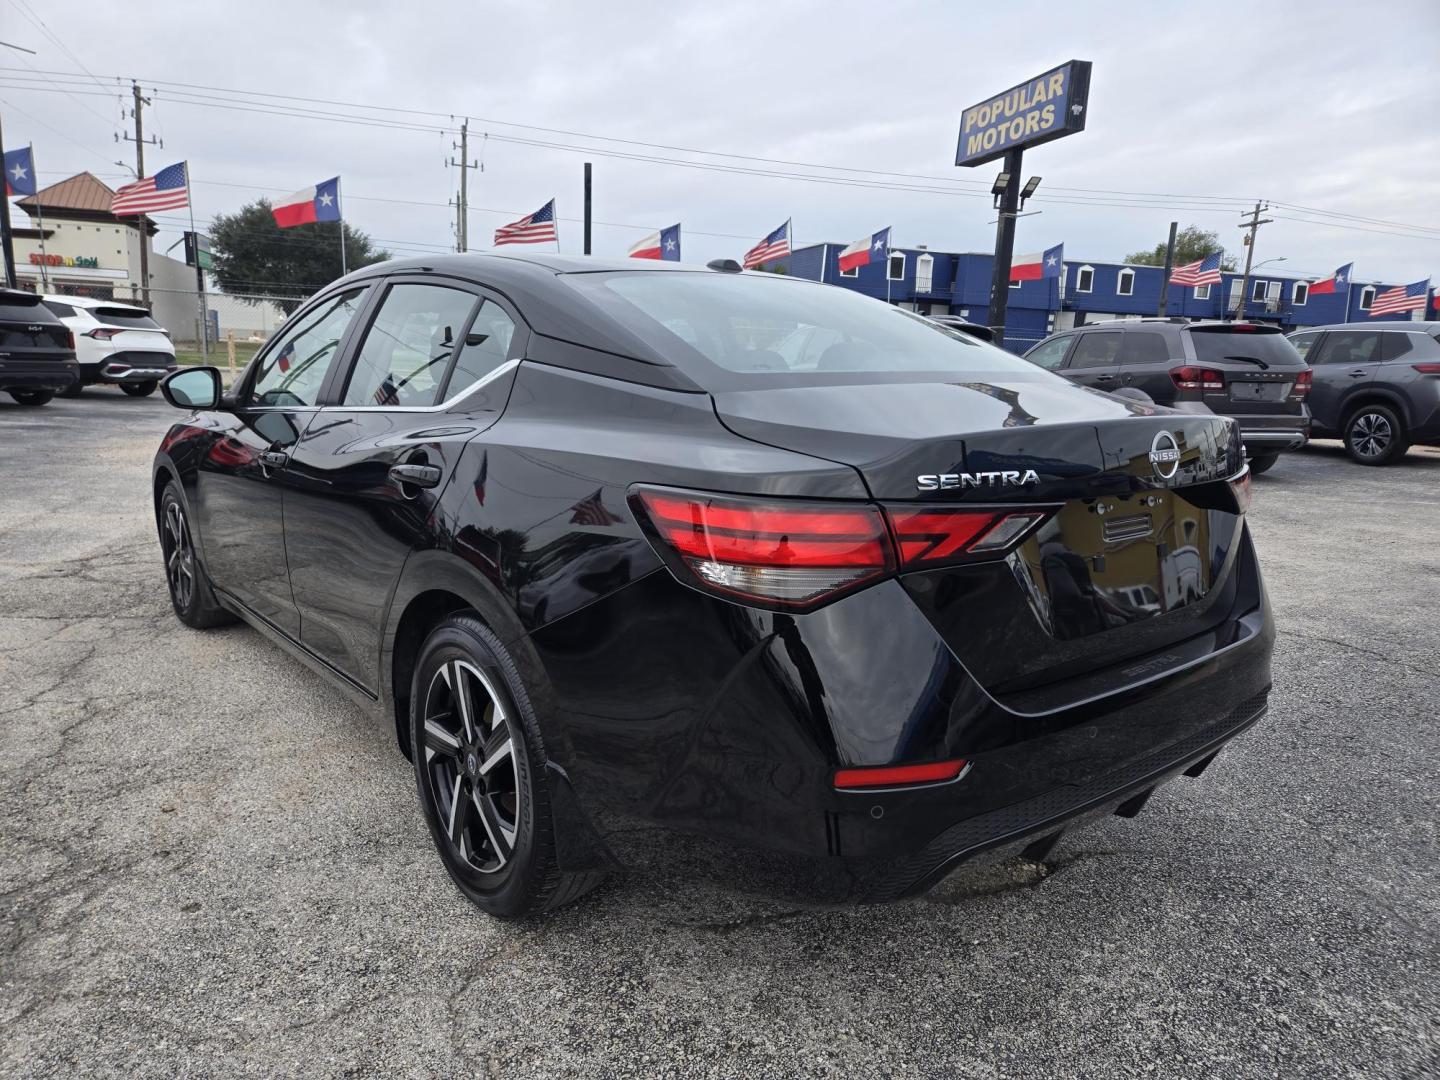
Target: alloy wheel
(1371, 434)
(470, 760)
(179, 556)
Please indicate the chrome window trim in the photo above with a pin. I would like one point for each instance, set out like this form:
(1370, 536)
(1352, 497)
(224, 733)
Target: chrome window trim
(444, 406)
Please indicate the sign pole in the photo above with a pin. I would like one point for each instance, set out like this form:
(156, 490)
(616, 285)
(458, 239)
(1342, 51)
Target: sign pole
(8, 243)
(199, 275)
(1005, 245)
(587, 208)
(1169, 265)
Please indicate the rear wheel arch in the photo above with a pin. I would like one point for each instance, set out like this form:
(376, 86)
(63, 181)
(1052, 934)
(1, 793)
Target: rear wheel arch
(1373, 396)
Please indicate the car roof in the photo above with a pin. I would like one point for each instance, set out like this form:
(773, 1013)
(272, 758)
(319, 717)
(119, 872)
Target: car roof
(496, 267)
(1379, 324)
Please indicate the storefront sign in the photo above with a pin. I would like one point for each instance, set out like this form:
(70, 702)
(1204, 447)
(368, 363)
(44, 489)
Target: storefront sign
(86, 262)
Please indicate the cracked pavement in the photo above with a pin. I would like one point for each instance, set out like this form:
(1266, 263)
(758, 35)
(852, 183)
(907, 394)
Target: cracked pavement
(211, 863)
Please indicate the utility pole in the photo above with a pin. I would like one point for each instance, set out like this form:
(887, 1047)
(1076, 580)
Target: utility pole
(144, 224)
(1169, 265)
(1004, 246)
(462, 208)
(587, 208)
(1253, 224)
(8, 241)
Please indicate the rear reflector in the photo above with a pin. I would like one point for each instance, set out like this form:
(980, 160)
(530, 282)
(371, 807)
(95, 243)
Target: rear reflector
(885, 776)
(790, 554)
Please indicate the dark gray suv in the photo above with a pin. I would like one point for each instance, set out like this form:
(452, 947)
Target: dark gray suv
(1377, 385)
(1248, 371)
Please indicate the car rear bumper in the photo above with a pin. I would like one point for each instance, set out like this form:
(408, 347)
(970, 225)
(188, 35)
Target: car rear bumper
(133, 367)
(719, 729)
(1268, 434)
(24, 374)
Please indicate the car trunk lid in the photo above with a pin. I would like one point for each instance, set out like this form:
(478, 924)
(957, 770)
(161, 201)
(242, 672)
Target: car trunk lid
(1258, 369)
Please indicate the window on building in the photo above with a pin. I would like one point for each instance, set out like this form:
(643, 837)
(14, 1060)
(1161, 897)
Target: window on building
(924, 273)
(895, 268)
(1367, 297)
(1085, 279)
(854, 271)
(1300, 293)
(1125, 283)
(1257, 289)
(1202, 292)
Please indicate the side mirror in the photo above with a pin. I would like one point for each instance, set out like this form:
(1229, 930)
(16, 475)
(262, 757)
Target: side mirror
(193, 388)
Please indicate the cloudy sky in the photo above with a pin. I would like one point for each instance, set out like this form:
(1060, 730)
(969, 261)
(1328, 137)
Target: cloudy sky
(1192, 112)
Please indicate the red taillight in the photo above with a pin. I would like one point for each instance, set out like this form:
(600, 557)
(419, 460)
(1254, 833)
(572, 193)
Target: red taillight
(782, 554)
(1195, 378)
(101, 333)
(935, 535)
(794, 554)
(70, 340)
(1303, 382)
(884, 776)
(1427, 369)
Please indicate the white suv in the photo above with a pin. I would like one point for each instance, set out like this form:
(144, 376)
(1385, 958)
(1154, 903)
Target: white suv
(115, 343)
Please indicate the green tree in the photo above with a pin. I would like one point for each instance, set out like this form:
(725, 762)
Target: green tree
(1191, 243)
(255, 259)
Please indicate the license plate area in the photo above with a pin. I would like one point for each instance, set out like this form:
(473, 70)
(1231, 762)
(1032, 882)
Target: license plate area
(1259, 391)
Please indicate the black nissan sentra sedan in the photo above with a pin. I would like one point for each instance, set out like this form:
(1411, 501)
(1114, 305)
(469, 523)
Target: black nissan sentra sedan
(659, 560)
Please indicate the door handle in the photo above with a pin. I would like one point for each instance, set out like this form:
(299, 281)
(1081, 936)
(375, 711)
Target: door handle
(1359, 372)
(1104, 378)
(424, 476)
(275, 459)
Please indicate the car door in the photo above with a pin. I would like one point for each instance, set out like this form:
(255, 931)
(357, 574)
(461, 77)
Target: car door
(1343, 363)
(1145, 363)
(239, 481)
(1095, 359)
(432, 368)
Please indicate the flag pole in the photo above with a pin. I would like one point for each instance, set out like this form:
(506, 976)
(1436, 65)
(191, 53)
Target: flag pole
(341, 222)
(555, 217)
(199, 272)
(40, 220)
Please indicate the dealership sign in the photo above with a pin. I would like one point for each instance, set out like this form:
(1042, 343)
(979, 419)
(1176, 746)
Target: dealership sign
(1038, 110)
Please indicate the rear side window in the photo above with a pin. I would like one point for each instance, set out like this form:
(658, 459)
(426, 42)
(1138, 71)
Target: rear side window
(408, 347)
(1097, 350)
(487, 344)
(1349, 347)
(1393, 346)
(130, 318)
(1215, 345)
(1144, 347)
(62, 311)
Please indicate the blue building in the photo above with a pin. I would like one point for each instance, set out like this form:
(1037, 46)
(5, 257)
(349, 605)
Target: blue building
(958, 283)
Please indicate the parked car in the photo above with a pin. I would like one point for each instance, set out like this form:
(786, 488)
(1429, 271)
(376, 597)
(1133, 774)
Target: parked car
(37, 350)
(1244, 370)
(1377, 385)
(631, 585)
(964, 326)
(115, 343)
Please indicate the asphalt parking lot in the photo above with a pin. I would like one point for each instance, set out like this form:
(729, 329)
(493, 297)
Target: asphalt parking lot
(211, 863)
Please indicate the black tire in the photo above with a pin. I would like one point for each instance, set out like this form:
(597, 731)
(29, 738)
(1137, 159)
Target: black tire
(1261, 463)
(190, 593)
(32, 397)
(139, 389)
(499, 847)
(73, 390)
(1375, 435)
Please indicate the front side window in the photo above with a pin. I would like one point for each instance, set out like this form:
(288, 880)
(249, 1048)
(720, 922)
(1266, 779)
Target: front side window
(896, 270)
(408, 347)
(1097, 350)
(1085, 279)
(1125, 283)
(487, 344)
(294, 368)
(1051, 354)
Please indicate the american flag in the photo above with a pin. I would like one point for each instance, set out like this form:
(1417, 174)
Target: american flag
(1204, 271)
(774, 246)
(534, 228)
(591, 511)
(1401, 298)
(166, 190)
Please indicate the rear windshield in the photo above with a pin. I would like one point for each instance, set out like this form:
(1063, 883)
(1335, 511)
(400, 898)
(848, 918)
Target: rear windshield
(1214, 344)
(729, 331)
(133, 318)
(20, 306)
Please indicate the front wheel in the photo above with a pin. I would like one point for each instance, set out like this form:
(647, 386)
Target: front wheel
(190, 592)
(1261, 463)
(139, 389)
(480, 771)
(1375, 435)
(32, 397)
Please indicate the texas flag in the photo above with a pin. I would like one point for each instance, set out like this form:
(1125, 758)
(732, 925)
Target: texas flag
(866, 250)
(19, 172)
(1045, 264)
(664, 244)
(319, 202)
(1334, 283)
